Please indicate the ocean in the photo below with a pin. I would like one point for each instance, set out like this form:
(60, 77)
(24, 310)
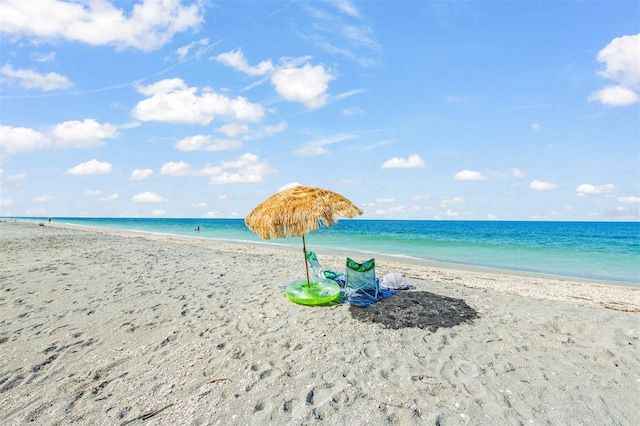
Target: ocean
(608, 251)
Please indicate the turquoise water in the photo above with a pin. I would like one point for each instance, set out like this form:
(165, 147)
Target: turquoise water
(594, 250)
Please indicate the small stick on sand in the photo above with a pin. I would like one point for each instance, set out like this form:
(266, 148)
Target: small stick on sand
(218, 381)
(405, 406)
(147, 415)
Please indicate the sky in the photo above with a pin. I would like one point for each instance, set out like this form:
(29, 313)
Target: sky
(478, 110)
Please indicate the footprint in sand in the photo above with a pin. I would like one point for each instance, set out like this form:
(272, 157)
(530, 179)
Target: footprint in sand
(287, 406)
(168, 340)
(371, 350)
(466, 373)
(262, 414)
(319, 395)
(462, 375)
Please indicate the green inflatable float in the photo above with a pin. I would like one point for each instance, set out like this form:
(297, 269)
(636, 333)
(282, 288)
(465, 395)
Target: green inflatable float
(314, 294)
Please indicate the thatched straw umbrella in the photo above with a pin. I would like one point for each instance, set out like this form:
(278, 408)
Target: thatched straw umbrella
(297, 211)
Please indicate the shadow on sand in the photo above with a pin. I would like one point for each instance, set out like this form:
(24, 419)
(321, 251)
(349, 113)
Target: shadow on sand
(416, 309)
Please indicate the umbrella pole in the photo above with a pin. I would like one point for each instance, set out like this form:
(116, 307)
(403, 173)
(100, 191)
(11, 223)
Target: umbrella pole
(306, 265)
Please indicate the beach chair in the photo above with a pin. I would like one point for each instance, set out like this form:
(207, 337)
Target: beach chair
(361, 286)
(319, 272)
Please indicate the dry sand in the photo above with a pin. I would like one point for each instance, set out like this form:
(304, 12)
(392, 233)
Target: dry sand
(108, 327)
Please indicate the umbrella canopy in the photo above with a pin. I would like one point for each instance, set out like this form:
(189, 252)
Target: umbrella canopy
(297, 211)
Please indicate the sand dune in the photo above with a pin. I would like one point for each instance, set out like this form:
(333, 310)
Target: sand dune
(108, 327)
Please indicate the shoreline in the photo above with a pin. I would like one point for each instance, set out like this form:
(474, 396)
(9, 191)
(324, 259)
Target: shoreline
(114, 327)
(400, 259)
(610, 294)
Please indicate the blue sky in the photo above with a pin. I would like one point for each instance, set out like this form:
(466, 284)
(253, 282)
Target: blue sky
(413, 110)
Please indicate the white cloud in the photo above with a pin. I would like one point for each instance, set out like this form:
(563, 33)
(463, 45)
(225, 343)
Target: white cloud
(515, 172)
(615, 96)
(207, 143)
(237, 130)
(451, 201)
(91, 193)
(341, 34)
(586, 189)
(536, 127)
(129, 125)
(621, 59)
(183, 51)
(449, 214)
(18, 140)
(148, 197)
(347, 94)
(352, 111)
(317, 147)
(163, 86)
(30, 79)
(172, 101)
(310, 151)
(6, 202)
(288, 186)
(44, 199)
(109, 197)
(15, 178)
(266, 131)
(42, 57)
(385, 200)
(347, 8)
(141, 174)
(465, 175)
(92, 167)
(158, 212)
(307, 84)
(148, 26)
(82, 134)
(246, 169)
(233, 130)
(236, 60)
(70, 134)
(537, 185)
(518, 173)
(412, 162)
(200, 204)
(177, 169)
(629, 199)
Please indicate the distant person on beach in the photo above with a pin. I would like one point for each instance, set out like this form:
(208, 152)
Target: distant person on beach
(49, 220)
(198, 228)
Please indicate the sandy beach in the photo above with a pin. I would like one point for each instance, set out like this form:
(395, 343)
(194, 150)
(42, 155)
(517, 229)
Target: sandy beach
(113, 328)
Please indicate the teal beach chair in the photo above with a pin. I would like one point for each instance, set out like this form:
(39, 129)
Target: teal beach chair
(319, 272)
